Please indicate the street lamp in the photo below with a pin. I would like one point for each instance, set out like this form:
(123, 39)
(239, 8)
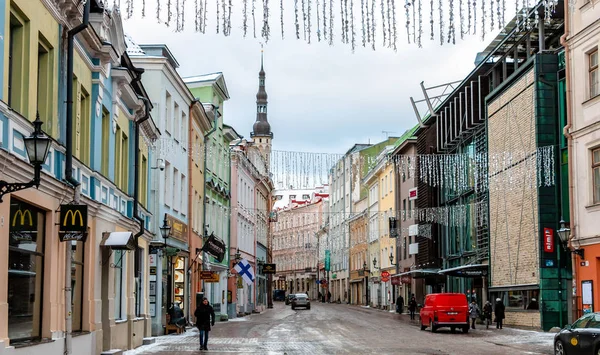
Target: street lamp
(37, 146)
(375, 263)
(563, 234)
(165, 232)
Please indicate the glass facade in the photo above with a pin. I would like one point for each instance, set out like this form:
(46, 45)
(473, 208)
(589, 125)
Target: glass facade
(25, 271)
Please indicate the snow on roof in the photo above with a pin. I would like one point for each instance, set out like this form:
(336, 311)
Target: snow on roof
(200, 78)
(133, 48)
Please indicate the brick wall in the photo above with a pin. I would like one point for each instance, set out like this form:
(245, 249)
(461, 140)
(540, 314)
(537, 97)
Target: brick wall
(523, 319)
(513, 198)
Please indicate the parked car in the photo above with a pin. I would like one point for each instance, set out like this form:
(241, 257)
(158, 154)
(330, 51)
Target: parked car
(581, 337)
(300, 300)
(278, 295)
(445, 310)
(288, 298)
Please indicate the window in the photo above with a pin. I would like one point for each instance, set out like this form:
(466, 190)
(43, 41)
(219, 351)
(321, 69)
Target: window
(17, 60)
(409, 209)
(125, 163)
(593, 69)
(120, 259)
(182, 129)
(522, 299)
(144, 181)
(596, 174)
(25, 271)
(77, 284)
(81, 121)
(176, 123)
(594, 321)
(182, 199)
(391, 183)
(105, 139)
(168, 184)
(582, 322)
(44, 83)
(404, 210)
(168, 106)
(175, 188)
(117, 162)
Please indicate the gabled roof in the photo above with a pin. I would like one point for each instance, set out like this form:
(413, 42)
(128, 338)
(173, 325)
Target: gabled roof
(208, 79)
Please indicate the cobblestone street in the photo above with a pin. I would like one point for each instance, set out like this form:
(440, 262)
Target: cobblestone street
(344, 329)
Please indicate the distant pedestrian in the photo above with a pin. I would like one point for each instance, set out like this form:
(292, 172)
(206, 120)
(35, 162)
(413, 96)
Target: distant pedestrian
(473, 313)
(487, 313)
(533, 304)
(205, 317)
(328, 296)
(399, 304)
(499, 313)
(412, 307)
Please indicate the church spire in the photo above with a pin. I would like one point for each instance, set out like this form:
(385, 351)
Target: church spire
(261, 127)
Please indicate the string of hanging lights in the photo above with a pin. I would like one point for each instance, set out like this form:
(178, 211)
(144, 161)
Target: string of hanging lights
(173, 12)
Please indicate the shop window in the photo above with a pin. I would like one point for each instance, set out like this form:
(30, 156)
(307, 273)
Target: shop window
(179, 281)
(120, 262)
(77, 284)
(522, 299)
(139, 282)
(25, 271)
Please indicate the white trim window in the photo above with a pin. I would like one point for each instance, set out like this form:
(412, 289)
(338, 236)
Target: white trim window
(593, 73)
(596, 174)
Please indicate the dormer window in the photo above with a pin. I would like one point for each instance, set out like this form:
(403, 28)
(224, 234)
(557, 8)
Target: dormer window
(262, 82)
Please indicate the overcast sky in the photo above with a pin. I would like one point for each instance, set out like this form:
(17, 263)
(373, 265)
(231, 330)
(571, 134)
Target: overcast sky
(321, 98)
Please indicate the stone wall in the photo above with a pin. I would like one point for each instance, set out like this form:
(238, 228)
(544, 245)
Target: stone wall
(523, 319)
(513, 198)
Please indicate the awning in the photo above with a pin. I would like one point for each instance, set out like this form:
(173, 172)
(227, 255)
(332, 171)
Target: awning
(357, 281)
(473, 270)
(420, 273)
(118, 240)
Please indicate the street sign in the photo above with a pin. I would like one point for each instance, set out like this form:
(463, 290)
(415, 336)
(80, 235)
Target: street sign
(385, 279)
(269, 269)
(385, 274)
(548, 240)
(209, 276)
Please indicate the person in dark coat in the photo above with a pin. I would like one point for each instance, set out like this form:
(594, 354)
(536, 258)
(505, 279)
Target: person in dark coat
(400, 304)
(499, 313)
(205, 317)
(412, 307)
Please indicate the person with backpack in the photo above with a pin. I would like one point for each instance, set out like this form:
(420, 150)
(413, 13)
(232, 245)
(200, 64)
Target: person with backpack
(499, 313)
(473, 313)
(205, 317)
(487, 313)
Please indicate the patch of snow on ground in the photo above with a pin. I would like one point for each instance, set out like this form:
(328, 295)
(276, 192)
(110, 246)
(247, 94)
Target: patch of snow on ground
(520, 336)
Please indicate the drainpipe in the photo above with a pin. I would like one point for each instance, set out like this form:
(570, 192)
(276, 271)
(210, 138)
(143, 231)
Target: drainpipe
(69, 171)
(206, 137)
(567, 134)
(190, 195)
(136, 184)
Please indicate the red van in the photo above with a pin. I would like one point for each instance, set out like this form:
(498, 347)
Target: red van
(445, 310)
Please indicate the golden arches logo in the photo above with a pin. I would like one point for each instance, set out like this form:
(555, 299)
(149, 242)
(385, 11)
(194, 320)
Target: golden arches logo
(73, 215)
(23, 214)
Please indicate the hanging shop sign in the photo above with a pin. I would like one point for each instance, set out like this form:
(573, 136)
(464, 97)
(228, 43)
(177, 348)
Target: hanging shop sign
(178, 228)
(240, 282)
(269, 269)
(406, 279)
(73, 223)
(215, 247)
(209, 276)
(395, 281)
(548, 240)
(327, 260)
(412, 194)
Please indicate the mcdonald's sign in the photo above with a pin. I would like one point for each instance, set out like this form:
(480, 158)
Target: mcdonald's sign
(22, 219)
(73, 218)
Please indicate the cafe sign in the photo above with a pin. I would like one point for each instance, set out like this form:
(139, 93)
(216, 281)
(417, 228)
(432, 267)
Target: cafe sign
(73, 223)
(215, 247)
(209, 276)
(178, 228)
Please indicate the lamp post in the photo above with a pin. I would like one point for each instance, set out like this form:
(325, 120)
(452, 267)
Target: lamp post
(366, 271)
(37, 146)
(165, 232)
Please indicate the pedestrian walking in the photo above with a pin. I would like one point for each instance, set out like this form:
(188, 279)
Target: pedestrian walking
(487, 313)
(399, 304)
(499, 313)
(412, 307)
(205, 317)
(473, 313)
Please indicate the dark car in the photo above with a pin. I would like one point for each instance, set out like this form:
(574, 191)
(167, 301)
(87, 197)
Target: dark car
(289, 298)
(300, 300)
(580, 338)
(278, 295)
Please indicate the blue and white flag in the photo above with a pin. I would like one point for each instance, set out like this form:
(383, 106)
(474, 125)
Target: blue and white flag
(244, 269)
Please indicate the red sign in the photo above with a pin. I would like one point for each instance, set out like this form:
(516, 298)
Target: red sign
(412, 194)
(548, 240)
(384, 279)
(406, 279)
(395, 281)
(385, 274)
